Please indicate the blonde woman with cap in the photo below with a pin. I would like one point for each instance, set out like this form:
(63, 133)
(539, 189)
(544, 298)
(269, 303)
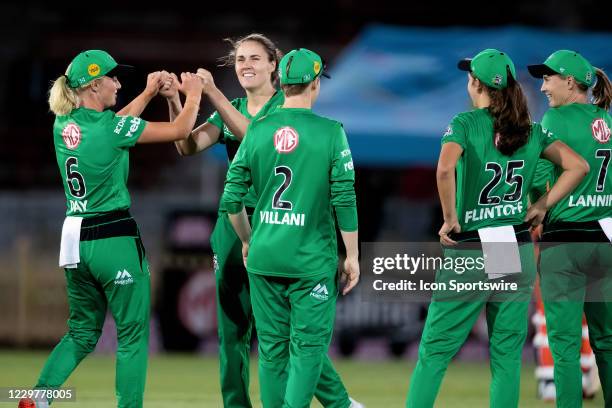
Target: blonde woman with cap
(101, 250)
(576, 256)
(486, 165)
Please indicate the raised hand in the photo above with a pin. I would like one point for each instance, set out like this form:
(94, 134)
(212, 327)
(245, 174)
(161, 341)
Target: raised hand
(191, 84)
(170, 85)
(154, 83)
(207, 78)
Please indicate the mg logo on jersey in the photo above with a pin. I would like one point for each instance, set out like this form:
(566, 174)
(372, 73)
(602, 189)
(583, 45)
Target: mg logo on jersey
(71, 135)
(320, 292)
(285, 139)
(601, 131)
(123, 278)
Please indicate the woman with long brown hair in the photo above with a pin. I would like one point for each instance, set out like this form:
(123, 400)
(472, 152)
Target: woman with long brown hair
(486, 166)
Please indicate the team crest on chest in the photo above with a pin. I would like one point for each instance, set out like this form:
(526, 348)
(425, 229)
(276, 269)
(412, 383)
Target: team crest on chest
(286, 139)
(601, 131)
(71, 135)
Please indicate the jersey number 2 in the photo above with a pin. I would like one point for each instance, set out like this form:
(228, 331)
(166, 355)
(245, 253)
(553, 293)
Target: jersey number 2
(277, 203)
(74, 179)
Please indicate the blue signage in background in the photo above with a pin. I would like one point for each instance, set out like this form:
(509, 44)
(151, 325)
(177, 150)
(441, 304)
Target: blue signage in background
(396, 89)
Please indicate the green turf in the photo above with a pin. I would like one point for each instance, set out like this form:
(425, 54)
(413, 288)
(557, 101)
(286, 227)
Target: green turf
(192, 381)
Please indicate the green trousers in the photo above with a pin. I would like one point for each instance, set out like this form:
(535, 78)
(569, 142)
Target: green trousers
(450, 321)
(294, 318)
(235, 321)
(113, 274)
(576, 278)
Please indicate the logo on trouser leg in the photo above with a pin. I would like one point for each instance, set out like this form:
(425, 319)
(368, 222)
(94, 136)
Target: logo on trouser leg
(123, 278)
(320, 292)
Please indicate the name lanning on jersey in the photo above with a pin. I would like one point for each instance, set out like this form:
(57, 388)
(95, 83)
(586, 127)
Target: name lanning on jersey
(590, 200)
(287, 218)
(479, 214)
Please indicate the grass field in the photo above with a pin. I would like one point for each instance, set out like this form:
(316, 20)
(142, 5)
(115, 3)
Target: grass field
(192, 381)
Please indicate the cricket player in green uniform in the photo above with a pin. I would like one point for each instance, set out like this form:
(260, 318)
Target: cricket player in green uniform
(101, 249)
(301, 168)
(255, 58)
(493, 150)
(576, 271)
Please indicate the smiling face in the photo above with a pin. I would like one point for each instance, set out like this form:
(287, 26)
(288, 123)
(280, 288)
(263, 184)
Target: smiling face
(557, 89)
(253, 66)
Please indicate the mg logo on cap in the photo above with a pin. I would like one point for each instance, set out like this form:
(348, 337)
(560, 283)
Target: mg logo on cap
(601, 131)
(285, 139)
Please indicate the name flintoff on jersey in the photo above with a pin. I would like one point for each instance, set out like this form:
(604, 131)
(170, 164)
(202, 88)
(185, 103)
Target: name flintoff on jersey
(273, 217)
(78, 206)
(590, 201)
(493, 212)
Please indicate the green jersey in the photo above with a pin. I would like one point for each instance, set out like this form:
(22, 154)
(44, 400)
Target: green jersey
(300, 166)
(232, 143)
(92, 153)
(492, 188)
(586, 129)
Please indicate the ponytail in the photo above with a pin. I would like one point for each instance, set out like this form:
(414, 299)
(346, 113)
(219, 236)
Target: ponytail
(511, 120)
(62, 99)
(602, 91)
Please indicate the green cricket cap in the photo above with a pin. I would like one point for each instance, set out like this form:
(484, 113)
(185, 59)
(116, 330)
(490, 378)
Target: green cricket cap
(300, 66)
(566, 63)
(490, 66)
(92, 64)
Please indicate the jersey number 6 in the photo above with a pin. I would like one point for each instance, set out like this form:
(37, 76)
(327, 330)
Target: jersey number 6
(74, 179)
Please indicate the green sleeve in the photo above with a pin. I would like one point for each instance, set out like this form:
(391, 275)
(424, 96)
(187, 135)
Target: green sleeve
(544, 175)
(455, 133)
(542, 179)
(238, 179)
(342, 182)
(126, 129)
(216, 120)
(553, 125)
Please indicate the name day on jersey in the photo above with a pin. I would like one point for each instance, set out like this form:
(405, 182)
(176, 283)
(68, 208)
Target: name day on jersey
(493, 212)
